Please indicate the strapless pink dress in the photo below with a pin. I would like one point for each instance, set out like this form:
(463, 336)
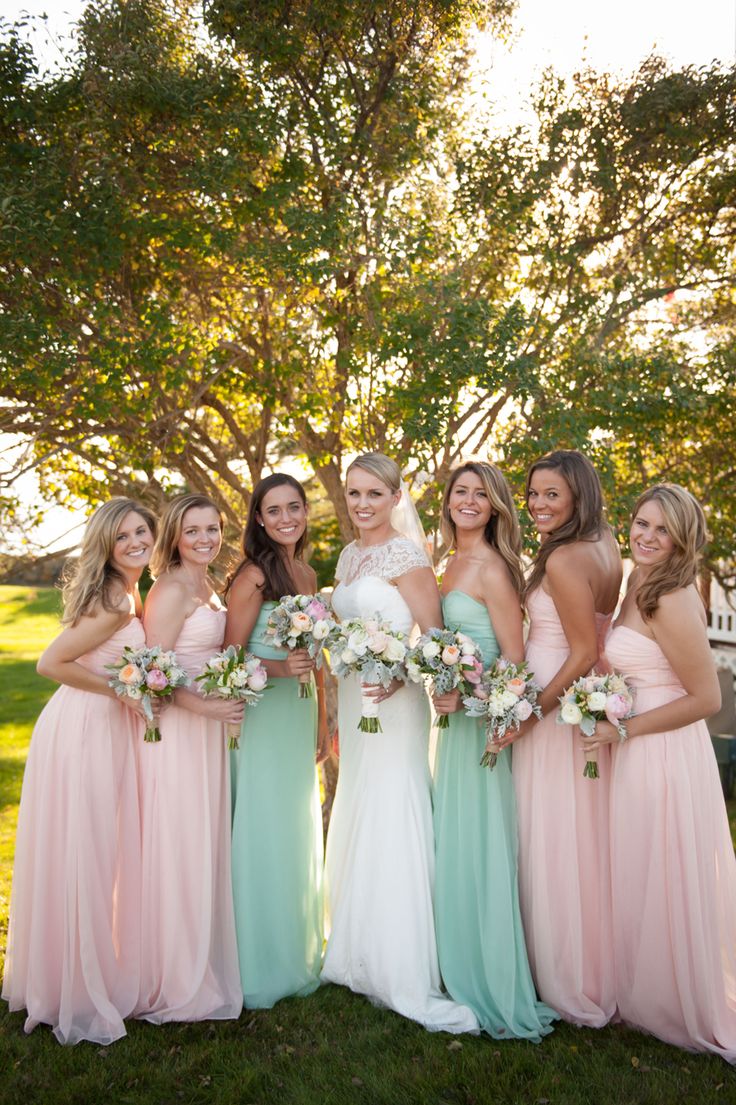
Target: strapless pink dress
(564, 870)
(673, 870)
(189, 960)
(73, 944)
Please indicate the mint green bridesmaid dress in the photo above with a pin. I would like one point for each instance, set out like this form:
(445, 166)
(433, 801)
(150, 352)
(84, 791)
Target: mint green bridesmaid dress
(479, 931)
(277, 845)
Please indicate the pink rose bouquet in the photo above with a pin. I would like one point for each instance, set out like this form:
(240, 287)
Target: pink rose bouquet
(301, 621)
(450, 659)
(235, 674)
(589, 700)
(144, 673)
(506, 696)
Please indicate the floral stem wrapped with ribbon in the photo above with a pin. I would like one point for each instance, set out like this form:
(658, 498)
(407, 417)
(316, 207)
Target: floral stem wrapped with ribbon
(301, 621)
(234, 674)
(506, 696)
(146, 673)
(589, 700)
(450, 659)
(375, 652)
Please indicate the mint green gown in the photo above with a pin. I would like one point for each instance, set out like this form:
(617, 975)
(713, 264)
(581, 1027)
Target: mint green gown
(277, 845)
(480, 937)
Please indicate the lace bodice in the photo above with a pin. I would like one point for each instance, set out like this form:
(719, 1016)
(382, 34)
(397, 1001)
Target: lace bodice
(387, 561)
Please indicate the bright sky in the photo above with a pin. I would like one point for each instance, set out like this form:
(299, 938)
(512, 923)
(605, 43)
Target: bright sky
(563, 34)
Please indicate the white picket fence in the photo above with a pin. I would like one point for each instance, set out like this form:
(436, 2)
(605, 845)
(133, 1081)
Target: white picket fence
(722, 620)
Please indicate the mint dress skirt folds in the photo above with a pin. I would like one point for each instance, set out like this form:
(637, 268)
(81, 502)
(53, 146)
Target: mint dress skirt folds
(277, 842)
(480, 936)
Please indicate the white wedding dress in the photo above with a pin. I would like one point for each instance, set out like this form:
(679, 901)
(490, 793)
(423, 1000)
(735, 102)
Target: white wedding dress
(380, 845)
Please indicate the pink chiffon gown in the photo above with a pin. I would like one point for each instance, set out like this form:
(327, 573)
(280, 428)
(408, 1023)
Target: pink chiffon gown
(73, 944)
(564, 868)
(673, 870)
(189, 957)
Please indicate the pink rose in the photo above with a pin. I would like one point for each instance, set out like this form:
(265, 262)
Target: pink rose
(523, 709)
(516, 686)
(616, 707)
(377, 641)
(257, 680)
(317, 609)
(156, 680)
(474, 673)
(450, 655)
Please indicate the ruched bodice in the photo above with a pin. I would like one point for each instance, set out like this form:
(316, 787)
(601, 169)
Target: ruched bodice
(110, 651)
(547, 645)
(257, 643)
(200, 638)
(642, 660)
(461, 611)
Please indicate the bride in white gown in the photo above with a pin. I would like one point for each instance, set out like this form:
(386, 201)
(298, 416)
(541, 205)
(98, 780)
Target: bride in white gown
(380, 846)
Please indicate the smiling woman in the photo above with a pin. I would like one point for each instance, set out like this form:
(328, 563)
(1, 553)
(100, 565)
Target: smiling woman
(73, 949)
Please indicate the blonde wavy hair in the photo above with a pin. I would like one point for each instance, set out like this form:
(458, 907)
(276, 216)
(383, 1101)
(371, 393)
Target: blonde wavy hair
(381, 466)
(502, 532)
(166, 550)
(92, 578)
(686, 526)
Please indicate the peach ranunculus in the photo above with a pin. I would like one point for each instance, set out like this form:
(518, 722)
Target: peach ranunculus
(130, 675)
(450, 655)
(516, 686)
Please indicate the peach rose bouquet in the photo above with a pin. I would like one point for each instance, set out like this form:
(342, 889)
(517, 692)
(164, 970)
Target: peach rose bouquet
(450, 659)
(146, 673)
(234, 674)
(301, 621)
(506, 696)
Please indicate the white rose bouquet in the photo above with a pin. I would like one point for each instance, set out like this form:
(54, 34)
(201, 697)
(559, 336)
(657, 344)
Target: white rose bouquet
(591, 699)
(506, 696)
(235, 674)
(375, 652)
(301, 621)
(450, 658)
(146, 673)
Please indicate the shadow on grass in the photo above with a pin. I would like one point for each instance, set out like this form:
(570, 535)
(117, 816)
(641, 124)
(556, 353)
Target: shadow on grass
(11, 777)
(23, 692)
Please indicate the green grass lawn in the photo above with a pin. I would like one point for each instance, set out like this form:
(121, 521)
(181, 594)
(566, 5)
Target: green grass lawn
(332, 1047)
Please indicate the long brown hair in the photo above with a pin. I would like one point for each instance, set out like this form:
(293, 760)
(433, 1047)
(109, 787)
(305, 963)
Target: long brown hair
(166, 550)
(93, 577)
(686, 525)
(502, 531)
(586, 523)
(261, 550)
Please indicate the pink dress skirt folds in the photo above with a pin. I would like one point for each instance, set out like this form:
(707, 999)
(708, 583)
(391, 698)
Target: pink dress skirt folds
(564, 869)
(673, 870)
(73, 944)
(189, 959)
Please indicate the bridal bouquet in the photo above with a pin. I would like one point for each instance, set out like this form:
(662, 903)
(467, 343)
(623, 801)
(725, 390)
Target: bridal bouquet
(370, 648)
(450, 658)
(144, 674)
(301, 621)
(236, 674)
(591, 699)
(506, 696)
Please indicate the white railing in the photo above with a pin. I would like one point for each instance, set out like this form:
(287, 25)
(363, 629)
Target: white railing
(722, 618)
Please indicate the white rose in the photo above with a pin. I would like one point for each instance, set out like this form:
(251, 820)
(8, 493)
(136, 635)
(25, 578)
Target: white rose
(395, 650)
(509, 699)
(496, 707)
(321, 630)
(430, 650)
(596, 701)
(348, 656)
(414, 671)
(571, 714)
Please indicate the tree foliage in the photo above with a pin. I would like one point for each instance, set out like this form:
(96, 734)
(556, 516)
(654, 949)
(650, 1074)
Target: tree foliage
(283, 234)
